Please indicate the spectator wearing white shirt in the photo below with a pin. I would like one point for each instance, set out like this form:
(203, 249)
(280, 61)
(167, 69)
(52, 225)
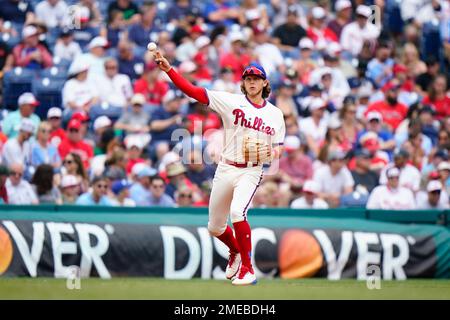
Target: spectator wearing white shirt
(391, 196)
(18, 149)
(52, 12)
(268, 54)
(409, 175)
(434, 198)
(334, 179)
(96, 56)
(19, 190)
(114, 88)
(66, 47)
(309, 200)
(79, 93)
(315, 127)
(356, 33)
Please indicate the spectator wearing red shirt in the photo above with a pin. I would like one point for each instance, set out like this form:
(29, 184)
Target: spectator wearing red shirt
(392, 111)
(74, 143)
(57, 133)
(150, 86)
(29, 53)
(134, 152)
(438, 97)
(202, 118)
(236, 59)
(318, 32)
(4, 173)
(296, 167)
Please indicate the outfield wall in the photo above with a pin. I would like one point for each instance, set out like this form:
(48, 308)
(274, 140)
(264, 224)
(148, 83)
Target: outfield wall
(59, 241)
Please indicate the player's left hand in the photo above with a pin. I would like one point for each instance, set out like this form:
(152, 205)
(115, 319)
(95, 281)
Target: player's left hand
(256, 151)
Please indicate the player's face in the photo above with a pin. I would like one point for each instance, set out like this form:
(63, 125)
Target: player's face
(254, 85)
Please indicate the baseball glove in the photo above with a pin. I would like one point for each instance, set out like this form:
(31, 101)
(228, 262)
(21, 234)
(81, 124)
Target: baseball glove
(256, 151)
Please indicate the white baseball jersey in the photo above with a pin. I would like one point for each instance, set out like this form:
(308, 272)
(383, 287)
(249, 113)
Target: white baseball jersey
(383, 197)
(242, 118)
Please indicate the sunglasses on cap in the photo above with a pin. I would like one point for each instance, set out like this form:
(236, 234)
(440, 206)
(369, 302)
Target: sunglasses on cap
(254, 71)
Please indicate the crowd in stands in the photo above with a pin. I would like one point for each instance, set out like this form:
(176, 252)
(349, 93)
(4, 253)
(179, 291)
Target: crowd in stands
(88, 118)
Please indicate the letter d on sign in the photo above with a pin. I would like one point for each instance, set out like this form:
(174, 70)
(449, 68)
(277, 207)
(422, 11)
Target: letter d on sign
(73, 278)
(373, 280)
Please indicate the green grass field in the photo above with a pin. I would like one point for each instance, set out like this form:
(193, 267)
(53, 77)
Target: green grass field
(156, 288)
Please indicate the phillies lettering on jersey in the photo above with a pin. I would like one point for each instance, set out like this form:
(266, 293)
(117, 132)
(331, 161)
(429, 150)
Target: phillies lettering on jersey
(257, 125)
(241, 118)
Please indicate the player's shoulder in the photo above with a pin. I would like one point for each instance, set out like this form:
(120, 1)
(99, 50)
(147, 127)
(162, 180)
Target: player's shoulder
(224, 94)
(274, 108)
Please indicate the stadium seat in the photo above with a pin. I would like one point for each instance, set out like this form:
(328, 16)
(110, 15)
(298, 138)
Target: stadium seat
(48, 93)
(16, 82)
(9, 40)
(54, 73)
(104, 109)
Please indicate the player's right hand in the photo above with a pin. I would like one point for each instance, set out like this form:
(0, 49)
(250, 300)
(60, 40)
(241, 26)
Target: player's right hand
(162, 62)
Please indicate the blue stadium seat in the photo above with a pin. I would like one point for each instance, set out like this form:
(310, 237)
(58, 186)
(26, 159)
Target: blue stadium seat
(49, 93)
(112, 112)
(54, 73)
(16, 82)
(61, 63)
(9, 40)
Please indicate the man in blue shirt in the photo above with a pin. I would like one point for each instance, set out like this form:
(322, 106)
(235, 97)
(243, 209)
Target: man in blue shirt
(221, 12)
(98, 194)
(27, 103)
(158, 198)
(379, 69)
(140, 33)
(140, 190)
(129, 64)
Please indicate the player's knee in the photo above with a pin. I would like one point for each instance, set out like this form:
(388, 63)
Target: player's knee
(216, 231)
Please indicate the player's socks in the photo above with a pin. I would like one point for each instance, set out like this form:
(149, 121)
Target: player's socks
(244, 239)
(228, 238)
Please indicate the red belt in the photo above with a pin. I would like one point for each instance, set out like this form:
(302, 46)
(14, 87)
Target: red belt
(241, 165)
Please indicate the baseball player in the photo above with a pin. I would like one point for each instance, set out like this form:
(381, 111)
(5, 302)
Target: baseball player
(254, 134)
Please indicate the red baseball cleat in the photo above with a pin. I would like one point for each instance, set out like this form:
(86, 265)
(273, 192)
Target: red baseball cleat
(234, 262)
(246, 277)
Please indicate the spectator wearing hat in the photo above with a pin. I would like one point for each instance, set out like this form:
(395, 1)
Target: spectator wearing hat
(374, 123)
(221, 12)
(356, 33)
(315, 126)
(408, 174)
(187, 49)
(140, 32)
(237, 59)
(392, 111)
(30, 53)
(18, 149)
(176, 173)
(371, 142)
(287, 35)
(334, 179)
(379, 68)
(4, 174)
(184, 197)
(343, 16)
(309, 199)
(43, 184)
(435, 197)
(251, 13)
(203, 73)
(362, 173)
(70, 189)
(296, 166)
(165, 120)
(318, 30)
(52, 12)
(11, 123)
(96, 56)
(436, 157)
(74, 143)
(19, 190)
(114, 88)
(150, 86)
(128, 8)
(134, 150)
(140, 189)
(158, 197)
(66, 47)
(134, 120)
(129, 63)
(438, 97)
(98, 195)
(121, 191)
(391, 195)
(268, 54)
(42, 150)
(79, 93)
(305, 65)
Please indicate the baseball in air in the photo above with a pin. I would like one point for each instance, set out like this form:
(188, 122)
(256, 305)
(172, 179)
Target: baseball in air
(151, 46)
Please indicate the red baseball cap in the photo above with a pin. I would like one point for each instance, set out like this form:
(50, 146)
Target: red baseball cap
(392, 84)
(74, 124)
(196, 29)
(80, 116)
(399, 68)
